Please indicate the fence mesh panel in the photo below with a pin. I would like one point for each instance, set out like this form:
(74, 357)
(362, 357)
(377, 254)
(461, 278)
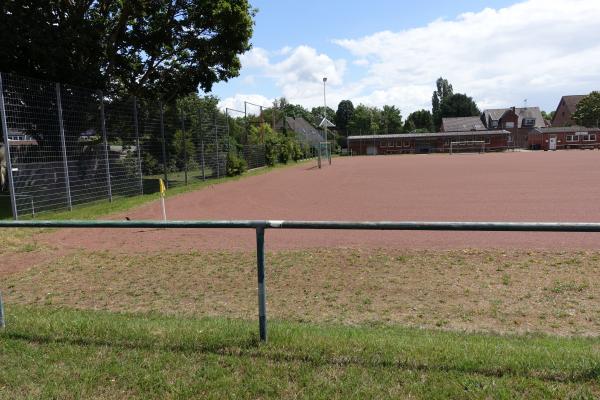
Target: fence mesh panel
(38, 164)
(71, 145)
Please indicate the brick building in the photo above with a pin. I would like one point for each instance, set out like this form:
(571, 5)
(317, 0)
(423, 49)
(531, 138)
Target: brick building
(558, 138)
(439, 142)
(564, 112)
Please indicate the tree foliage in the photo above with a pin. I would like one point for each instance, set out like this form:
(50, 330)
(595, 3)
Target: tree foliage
(419, 120)
(588, 110)
(458, 105)
(361, 122)
(151, 49)
(390, 120)
(443, 91)
(343, 115)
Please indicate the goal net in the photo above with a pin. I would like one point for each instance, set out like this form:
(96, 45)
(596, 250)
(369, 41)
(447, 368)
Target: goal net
(324, 154)
(467, 146)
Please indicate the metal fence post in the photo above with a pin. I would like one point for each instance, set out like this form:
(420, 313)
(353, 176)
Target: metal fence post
(185, 154)
(2, 324)
(105, 141)
(9, 169)
(201, 144)
(217, 144)
(63, 145)
(137, 143)
(163, 143)
(262, 290)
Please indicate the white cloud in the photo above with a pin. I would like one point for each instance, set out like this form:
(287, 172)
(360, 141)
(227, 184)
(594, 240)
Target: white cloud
(285, 50)
(237, 103)
(535, 49)
(298, 76)
(361, 62)
(255, 58)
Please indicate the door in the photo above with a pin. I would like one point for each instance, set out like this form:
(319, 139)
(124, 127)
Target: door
(552, 143)
(371, 150)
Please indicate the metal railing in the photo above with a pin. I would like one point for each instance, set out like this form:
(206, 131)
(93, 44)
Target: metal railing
(261, 225)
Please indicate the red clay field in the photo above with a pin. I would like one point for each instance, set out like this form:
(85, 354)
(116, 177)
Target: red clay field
(520, 186)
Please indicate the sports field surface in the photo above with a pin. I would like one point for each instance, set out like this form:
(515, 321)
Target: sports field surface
(172, 313)
(520, 186)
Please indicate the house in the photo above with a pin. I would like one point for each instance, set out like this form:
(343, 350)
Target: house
(462, 124)
(560, 137)
(517, 121)
(20, 138)
(564, 112)
(520, 122)
(434, 142)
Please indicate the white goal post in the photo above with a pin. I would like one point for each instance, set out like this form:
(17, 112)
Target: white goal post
(467, 144)
(324, 153)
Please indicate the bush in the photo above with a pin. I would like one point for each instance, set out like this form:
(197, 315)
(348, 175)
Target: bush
(271, 149)
(235, 165)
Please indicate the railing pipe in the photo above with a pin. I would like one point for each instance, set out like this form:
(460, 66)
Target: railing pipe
(261, 225)
(262, 290)
(342, 225)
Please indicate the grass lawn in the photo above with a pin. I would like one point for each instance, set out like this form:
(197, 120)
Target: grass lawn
(59, 353)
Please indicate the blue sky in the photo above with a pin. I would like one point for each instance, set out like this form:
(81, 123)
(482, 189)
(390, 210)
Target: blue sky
(391, 52)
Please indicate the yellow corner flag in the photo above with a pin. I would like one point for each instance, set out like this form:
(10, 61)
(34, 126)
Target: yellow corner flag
(163, 188)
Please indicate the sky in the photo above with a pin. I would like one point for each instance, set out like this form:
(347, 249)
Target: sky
(502, 53)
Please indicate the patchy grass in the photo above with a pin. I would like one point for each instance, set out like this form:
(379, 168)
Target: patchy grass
(67, 354)
(18, 241)
(471, 290)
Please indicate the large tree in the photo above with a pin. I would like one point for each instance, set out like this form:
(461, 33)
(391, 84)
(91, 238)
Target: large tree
(458, 105)
(391, 120)
(147, 48)
(443, 91)
(362, 122)
(343, 115)
(588, 110)
(420, 120)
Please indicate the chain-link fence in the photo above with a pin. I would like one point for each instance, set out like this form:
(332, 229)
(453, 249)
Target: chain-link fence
(65, 145)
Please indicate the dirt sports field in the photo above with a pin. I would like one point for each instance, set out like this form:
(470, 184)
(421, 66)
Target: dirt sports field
(520, 186)
(500, 282)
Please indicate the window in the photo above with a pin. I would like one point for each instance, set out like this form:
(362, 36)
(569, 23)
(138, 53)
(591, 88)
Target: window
(494, 124)
(528, 121)
(488, 140)
(592, 138)
(509, 125)
(572, 138)
(407, 143)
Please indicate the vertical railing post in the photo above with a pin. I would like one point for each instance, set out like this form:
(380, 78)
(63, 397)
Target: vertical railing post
(9, 169)
(105, 142)
(217, 144)
(262, 290)
(63, 145)
(163, 143)
(137, 143)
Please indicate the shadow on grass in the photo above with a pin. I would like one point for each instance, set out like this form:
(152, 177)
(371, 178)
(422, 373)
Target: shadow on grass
(5, 208)
(250, 347)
